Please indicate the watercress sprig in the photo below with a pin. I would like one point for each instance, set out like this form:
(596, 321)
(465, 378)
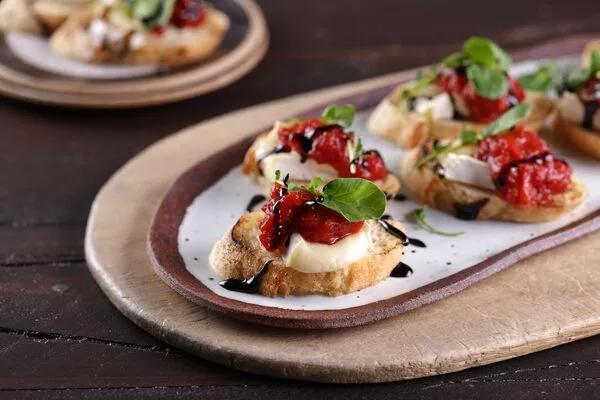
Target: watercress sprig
(419, 217)
(469, 137)
(486, 64)
(341, 115)
(544, 79)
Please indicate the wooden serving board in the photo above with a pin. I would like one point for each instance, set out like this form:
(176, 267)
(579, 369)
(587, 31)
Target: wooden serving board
(541, 302)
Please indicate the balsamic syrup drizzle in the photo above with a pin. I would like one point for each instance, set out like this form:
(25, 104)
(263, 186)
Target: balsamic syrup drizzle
(469, 211)
(392, 230)
(501, 180)
(250, 285)
(590, 106)
(416, 242)
(401, 270)
(254, 201)
(397, 197)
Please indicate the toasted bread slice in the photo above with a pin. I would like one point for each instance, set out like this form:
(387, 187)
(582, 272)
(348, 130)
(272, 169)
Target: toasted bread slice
(409, 129)
(240, 255)
(390, 185)
(173, 47)
(53, 13)
(449, 196)
(593, 45)
(18, 16)
(584, 140)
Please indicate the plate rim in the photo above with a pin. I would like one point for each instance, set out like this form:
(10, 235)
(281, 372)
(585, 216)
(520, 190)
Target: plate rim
(170, 267)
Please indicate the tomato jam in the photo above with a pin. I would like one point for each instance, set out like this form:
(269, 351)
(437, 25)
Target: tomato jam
(524, 169)
(300, 212)
(328, 144)
(188, 13)
(590, 96)
(455, 82)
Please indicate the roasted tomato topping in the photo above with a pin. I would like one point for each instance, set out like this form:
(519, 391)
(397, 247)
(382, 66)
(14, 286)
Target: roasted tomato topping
(328, 144)
(455, 83)
(523, 168)
(188, 13)
(591, 91)
(299, 212)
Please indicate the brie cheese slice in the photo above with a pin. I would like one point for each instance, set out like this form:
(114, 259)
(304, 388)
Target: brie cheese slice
(466, 169)
(310, 257)
(440, 106)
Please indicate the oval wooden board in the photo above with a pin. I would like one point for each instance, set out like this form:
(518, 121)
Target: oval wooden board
(544, 301)
(244, 46)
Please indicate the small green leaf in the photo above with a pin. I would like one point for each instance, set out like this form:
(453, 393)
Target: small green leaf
(507, 120)
(542, 80)
(293, 187)
(435, 153)
(489, 83)
(578, 77)
(277, 175)
(152, 13)
(595, 62)
(469, 137)
(354, 198)
(454, 60)
(480, 51)
(342, 115)
(314, 184)
(503, 60)
(419, 216)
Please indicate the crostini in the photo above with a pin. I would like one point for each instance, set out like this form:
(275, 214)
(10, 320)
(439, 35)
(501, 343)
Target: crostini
(166, 32)
(503, 172)
(578, 114)
(322, 147)
(470, 89)
(306, 241)
(37, 16)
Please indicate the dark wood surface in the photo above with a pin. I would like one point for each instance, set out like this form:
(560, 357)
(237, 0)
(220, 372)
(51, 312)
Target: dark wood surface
(61, 338)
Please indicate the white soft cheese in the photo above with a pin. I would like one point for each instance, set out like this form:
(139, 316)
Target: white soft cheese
(291, 163)
(310, 257)
(571, 107)
(268, 142)
(461, 106)
(466, 169)
(98, 30)
(439, 106)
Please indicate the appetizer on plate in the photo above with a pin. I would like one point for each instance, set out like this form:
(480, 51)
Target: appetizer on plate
(578, 114)
(306, 241)
(503, 172)
(472, 88)
(167, 32)
(37, 16)
(322, 147)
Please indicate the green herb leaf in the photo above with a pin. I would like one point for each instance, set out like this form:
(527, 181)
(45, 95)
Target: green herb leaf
(354, 151)
(419, 216)
(342, 115)
(595, 62)
(454, 60)
(489, 83)
(479, 50)
(152, 13)
(435, 153)
(542, 80)
(293, 187)
(277, 175)
(354, 198)
(503, 60)
(469, 137)
(507, 120)
(578, 77)
(314, 184)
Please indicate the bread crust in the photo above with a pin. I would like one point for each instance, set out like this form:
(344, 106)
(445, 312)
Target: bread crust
(582, 139)
(444, 195)
(174, 48)
(18, 16)
(390, 185)
(240, 255)
(593, 45)
(53, 13)
(410, 129)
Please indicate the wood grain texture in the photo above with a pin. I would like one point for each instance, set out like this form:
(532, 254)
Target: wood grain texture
(53, 161)
(541, 302)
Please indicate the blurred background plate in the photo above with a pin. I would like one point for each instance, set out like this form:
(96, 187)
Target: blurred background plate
(243, 47)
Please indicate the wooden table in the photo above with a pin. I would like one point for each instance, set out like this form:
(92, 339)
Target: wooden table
(61, 338)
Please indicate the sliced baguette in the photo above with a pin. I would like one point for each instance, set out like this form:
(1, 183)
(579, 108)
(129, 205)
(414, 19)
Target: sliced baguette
(409, 129)
(445, 195)
(174, 47)
(390, 185)
(584, 140)
(53, 13)
(18, 16)
(240, 255)
(593, 45)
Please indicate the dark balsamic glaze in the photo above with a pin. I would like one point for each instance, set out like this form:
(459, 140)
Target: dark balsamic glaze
(401, 270)
(386, 216)
(469, 211)
(397, 197)
(416, 242)
(250, 285)
(392, 230)
(590, 106)
(501, 180)
(256, 199)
